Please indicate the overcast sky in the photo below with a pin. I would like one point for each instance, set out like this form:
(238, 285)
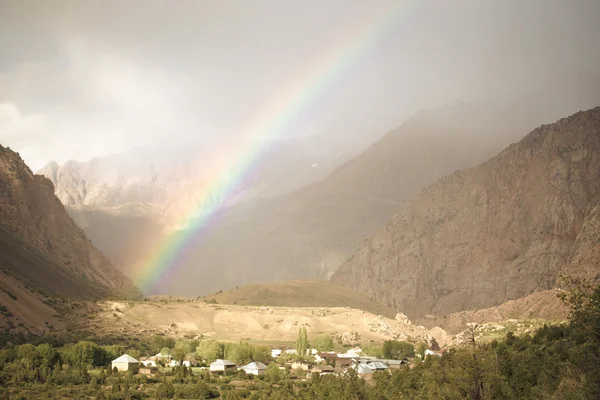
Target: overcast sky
(80, 79)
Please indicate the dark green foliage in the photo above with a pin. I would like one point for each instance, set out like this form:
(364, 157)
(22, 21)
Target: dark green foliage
(395, 350)
(302, 342)
(324, 343)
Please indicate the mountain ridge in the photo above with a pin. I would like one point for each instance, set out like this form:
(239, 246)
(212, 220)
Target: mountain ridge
(515, 217)
(35, 222)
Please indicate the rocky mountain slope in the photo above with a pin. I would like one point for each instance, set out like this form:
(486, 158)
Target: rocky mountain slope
(170, 180)
(309, 233)
(40, 245)
(541, 306)
(500, 231)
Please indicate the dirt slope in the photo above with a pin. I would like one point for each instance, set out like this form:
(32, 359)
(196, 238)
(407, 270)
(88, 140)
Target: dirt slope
(235, 322)
(302, 293)
(496, 232)
(544, 305)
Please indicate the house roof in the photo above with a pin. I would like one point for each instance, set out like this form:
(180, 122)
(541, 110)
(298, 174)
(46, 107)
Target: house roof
(363, 369)
(125, 358)
(395, 362)
(223, 362)
(255, 365)
(323, 368)
(377, 365)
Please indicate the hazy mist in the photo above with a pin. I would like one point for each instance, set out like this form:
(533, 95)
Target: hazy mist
(82, 79)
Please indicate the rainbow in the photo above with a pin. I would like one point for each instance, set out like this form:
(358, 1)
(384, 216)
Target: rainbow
(252, 137)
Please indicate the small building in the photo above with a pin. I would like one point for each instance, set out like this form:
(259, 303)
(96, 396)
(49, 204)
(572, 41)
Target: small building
(149, 363)
(301, 365)
(362, 369)
(323, 356)
(221, 366)
(395, 364)
(354, 352)
(255, 368)
(377, 366)
(292, 352)
(175, 363)
(432, 353)
(124, 362)
(345, 362)
(148, 371)
(275, 353)
(161, 356)
(322, 370)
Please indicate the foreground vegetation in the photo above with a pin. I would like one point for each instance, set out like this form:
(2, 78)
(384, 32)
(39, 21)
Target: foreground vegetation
(556, 362)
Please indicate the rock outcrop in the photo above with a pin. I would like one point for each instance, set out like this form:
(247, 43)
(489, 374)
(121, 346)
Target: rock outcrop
(33, 216)
(500, 231)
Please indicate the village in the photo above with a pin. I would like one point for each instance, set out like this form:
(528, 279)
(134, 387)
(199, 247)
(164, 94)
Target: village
(287, 361)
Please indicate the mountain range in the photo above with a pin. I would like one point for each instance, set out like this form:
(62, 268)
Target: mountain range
(275, 231)
(496, 232)
(43, 253)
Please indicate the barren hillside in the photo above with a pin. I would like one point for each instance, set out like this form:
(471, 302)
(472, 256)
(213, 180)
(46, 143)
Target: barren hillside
(493, 233)
(302, 293)
(235, 322)
(43, 253)
(310, 232)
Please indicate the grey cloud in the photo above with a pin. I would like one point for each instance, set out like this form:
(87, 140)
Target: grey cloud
(121, 74)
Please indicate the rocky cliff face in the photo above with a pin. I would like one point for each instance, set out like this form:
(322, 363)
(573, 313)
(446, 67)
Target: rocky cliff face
(173, 180)
(33, 215)
(496, 232)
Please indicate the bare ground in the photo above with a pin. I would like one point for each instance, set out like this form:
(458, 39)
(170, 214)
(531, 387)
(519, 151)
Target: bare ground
(257, 323)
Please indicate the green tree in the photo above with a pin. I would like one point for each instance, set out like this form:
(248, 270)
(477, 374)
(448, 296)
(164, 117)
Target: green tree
(420, 350)
(87, 353)
(395, 350)
(302, 342)
(373, 350)
(48, 354)
(114, 351)
(239, 353)
(28, 354)
(157, 343)
(583, 299)
(324, 343)
(261, 353)
(273, 374)
(165, 351)
(179, 353)
(94, 383)
(209, 350)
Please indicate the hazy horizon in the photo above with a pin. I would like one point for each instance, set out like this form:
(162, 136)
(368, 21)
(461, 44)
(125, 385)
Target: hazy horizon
(80, 80)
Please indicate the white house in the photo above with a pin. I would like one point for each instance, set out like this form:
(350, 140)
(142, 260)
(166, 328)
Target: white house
(161, 356)
(222, 366)
(291, 351)
(175, 363)
(377, 366)
(431, 353)
(323, 356)
(275, 353)
(354, 352)
(362, 369)
(124, 362)
(149, 363)
(255, 368)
